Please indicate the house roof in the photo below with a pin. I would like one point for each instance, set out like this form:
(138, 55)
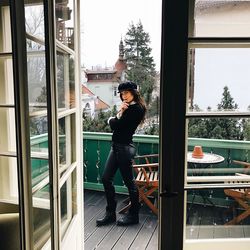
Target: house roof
(99, 103)
(86, 90)
(203, 5)
(101, 71)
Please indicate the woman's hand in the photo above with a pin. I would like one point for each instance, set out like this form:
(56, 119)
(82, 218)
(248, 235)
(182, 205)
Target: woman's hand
(123, 107)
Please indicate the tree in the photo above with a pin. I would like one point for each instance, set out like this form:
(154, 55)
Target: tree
(230, 127)
(98, 123)
(197, 126)
(227, 101)
(246, 127)
(219, 128)
(140, 63)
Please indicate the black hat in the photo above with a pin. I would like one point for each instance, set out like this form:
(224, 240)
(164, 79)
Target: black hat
(126, 86)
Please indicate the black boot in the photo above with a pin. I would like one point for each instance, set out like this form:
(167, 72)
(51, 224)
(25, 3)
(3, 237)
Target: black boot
(128, 219)
(109, 217)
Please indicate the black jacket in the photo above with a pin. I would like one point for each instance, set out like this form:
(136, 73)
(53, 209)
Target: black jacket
(124, 128)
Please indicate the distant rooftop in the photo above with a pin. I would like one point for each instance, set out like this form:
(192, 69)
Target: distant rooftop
(202, 5)
(100, 71)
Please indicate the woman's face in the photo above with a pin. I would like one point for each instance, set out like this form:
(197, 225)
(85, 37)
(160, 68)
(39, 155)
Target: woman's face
(127, 96)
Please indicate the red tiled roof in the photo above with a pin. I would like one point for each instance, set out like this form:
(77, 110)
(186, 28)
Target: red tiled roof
(99, 104)
(86, 90)
(120, 65)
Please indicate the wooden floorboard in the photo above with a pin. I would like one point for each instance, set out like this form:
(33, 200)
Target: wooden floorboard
(111, 238)
(153, 243)
(143, 237)
(128, 237)
(93, 207)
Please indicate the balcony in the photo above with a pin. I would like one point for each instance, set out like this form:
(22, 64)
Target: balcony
(206, 210)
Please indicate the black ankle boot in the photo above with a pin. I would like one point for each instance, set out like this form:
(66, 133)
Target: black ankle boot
(108, 218)
(128, 219)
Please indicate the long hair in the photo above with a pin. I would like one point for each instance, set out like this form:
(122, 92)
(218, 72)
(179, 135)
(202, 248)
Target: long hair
(138, 99)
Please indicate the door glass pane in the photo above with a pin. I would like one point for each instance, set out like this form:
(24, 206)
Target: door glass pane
(9, 204)
(68, 201)
(34, 16)
(41, 211)
(218, 147)
(36, 78)
(67, 141)
(40, 170)
(5, 28)
(65, 22)
(8, 130)
(219, 79)
(213, 214)
(36, 67)
(8, 177)
(65, 81)
(6, 80)
(221, 18)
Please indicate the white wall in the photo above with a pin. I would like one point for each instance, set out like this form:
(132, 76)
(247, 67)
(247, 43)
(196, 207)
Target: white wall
(105, 91)
(229, 20)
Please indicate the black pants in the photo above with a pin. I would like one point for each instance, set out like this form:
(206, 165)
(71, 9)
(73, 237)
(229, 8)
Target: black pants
(120, 156)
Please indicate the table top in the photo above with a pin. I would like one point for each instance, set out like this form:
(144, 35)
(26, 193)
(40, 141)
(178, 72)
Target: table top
(208, 158)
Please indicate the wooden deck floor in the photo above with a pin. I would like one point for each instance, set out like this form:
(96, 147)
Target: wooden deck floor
(203, 223)
(141, 236)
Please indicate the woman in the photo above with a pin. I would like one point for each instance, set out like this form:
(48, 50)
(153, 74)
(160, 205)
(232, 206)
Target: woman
(131, 114)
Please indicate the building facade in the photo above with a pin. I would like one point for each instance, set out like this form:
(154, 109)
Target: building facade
(91, 103)
(103, 82)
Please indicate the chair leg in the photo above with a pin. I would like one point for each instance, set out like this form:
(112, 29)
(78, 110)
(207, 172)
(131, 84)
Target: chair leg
(125, 209)
(149, 203)
(243, 215)
(143, 197)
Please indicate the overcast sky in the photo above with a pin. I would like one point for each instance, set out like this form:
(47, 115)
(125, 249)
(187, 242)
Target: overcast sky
(217, 68)
(104, 22)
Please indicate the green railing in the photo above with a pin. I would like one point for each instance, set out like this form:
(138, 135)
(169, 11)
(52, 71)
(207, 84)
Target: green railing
(40, 167)
(97, 146)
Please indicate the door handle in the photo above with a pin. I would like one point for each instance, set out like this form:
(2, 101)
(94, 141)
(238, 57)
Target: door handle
(168, 194)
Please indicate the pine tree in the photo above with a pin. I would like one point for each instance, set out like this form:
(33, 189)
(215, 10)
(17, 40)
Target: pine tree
(218, 128)
(197, 126)
(246, 127)
(227, 101)
(230, 127)
(140, 63)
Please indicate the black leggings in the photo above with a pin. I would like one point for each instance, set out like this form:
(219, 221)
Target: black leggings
(120, 156)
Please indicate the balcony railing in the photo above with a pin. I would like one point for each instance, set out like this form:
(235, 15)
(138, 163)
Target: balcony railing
(97, 146)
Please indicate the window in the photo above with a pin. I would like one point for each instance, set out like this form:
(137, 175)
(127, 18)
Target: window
(115, 91)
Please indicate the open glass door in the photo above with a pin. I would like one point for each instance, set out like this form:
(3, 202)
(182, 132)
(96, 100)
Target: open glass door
(9, 202)
(205, 176)
(217, 212)
(40, 146)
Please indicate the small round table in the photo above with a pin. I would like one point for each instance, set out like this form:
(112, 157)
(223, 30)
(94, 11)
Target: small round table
(208, 158)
